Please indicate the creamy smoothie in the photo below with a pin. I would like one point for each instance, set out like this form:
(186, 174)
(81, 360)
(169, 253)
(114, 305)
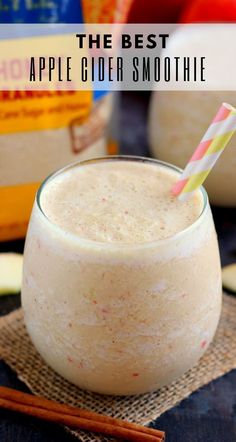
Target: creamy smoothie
(118, 201)
(122, 281)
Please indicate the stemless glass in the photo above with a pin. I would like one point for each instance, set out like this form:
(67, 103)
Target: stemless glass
(120, 318)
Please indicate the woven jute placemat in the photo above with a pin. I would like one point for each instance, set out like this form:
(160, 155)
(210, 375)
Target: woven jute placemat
(18, 352)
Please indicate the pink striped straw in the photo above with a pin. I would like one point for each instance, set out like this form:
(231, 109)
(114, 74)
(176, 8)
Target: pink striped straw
(208, 151)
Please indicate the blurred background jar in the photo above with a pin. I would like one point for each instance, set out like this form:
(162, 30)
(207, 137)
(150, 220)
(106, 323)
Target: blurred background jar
(177, 122)
(41, 131)
(178, 119)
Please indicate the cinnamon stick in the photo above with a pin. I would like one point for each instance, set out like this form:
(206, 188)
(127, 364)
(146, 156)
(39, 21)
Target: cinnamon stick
(75, 417)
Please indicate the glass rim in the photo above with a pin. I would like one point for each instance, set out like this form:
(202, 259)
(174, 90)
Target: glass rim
(119, 245)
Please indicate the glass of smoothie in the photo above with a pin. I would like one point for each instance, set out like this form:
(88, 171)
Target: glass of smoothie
(122, 281)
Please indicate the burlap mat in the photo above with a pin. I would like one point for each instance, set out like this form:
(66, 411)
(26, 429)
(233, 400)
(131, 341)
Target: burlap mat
(17, 350)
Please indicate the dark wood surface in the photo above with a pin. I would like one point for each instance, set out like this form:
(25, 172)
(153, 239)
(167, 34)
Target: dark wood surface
(209, 414)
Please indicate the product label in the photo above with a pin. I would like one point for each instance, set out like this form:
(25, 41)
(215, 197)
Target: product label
(40, 11)
(63, 11)
(22, 111)
(48, 107)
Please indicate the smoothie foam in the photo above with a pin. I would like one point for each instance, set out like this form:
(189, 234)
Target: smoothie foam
(121, 201)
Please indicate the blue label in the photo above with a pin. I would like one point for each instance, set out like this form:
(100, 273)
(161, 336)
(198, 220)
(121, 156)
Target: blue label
(43, 11)
(40, 11)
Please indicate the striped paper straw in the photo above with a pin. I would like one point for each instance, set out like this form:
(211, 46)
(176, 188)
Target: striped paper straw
(207, 153)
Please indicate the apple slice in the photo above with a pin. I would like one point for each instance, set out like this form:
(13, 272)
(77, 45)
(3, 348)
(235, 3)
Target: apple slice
(11, 265)
(229, 277)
